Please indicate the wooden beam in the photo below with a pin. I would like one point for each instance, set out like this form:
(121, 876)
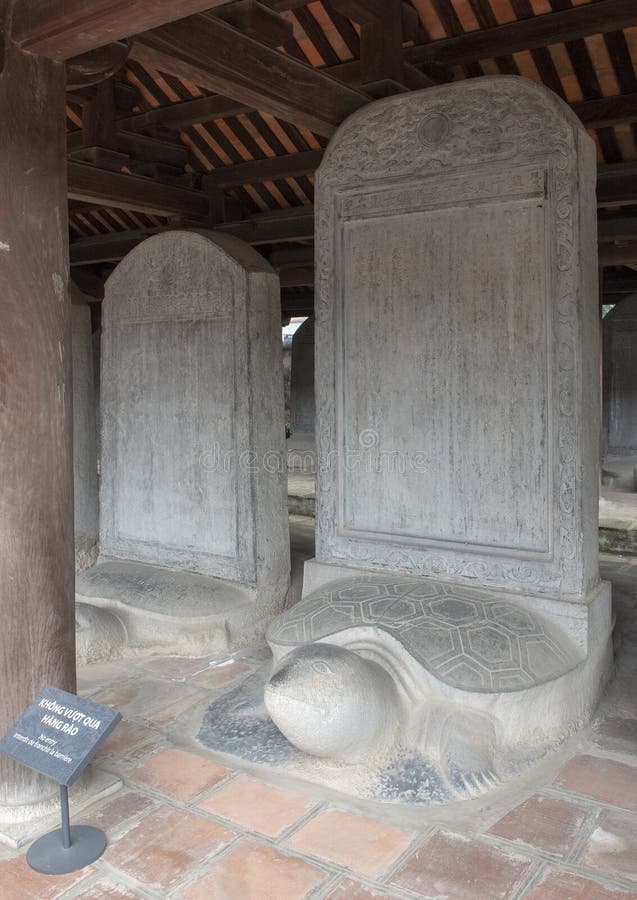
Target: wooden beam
(98, 118)
(607, 111)
(365, 11)
(297, 301)
(182, 115)
(275, 227)
(294, 256)
(271, 169)
(297, 277)
(617, 184)
(61, 30)
(384, 25)
(138, 146)
(217, 57)
(528, 34)
(620, 229)
(257, 20)
(263, 228)
(125, 96)
(618, 254)
(95, 66)
(105, 248)
(94, 185)
(618, 282)
(285, 5)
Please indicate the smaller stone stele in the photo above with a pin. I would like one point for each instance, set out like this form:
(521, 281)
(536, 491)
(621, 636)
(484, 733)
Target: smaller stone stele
(620, 393)
(301, 445)
(194, 544)
(453, 617)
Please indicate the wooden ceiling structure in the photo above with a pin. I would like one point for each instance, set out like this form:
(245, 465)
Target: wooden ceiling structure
(218, 113)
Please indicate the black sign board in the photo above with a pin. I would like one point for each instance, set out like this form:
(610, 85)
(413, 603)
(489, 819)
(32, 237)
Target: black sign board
(59, 733)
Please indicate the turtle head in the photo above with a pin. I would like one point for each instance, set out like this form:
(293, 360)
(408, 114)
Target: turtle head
(331, 702)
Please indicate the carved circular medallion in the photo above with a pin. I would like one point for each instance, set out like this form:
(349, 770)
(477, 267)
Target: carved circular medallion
(434, 130)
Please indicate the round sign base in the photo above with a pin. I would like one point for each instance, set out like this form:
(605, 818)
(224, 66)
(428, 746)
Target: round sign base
(49, 856)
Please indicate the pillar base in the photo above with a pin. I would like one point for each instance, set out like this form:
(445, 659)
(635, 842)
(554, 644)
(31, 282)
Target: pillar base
(21, 823)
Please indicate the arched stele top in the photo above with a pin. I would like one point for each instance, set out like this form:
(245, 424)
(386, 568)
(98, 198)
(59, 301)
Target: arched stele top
(482, 120)
(182, 259)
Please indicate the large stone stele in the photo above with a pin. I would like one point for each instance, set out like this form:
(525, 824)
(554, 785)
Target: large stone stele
(458, 425)
(194, 546)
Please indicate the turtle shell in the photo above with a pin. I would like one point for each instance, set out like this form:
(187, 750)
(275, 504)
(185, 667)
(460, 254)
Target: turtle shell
(469, 638)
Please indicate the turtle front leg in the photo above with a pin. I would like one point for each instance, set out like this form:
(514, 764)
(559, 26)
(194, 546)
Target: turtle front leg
(467, 753)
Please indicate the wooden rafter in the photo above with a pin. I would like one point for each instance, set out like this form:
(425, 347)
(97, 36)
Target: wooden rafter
(217, 57)
(528, 34)
(269, 169)
(188, 112)
(617, 184)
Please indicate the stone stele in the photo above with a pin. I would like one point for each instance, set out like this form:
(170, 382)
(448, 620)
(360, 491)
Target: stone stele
(84, 435)
(458, 425)
(301, 443)
(194, 545)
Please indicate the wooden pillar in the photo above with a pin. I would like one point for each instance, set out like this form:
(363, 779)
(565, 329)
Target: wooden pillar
(37, 620)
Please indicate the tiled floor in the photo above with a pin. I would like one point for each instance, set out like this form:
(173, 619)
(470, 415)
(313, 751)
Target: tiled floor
(186, 826)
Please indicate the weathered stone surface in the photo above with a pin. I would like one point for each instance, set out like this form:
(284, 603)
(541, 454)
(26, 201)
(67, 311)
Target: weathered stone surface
(301, 444)
(84, 435)
(468, 638)
(192, 455)
(620, 379)
(456, 325)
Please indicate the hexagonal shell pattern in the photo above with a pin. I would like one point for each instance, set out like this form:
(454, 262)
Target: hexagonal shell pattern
(466, 637)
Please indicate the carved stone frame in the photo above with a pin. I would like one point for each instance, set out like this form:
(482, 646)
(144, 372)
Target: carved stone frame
(458, 129)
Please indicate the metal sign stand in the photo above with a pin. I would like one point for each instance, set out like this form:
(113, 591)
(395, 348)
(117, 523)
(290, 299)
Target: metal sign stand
(66, 849)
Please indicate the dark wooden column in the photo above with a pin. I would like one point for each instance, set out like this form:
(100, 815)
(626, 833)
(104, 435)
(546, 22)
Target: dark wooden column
(37, 620)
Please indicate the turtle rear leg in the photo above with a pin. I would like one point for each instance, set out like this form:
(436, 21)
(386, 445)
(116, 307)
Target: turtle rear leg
(466, 753)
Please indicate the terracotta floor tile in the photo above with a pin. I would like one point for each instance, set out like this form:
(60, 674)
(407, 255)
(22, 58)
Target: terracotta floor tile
(563, 886)
(174, 666)
(91, 677)
(601, 779)
(544, 822)
(126, 736)
(116, 811)
(252, 871)
(257, 806)
(617, 735)
(172, 712)
(624, 697)
(219, 676)
(454, 866)
(161, 849)
(19, 882)
(105, 889)
(141, 697)
(178, 773)
(353, 890)
(364, 845)
(613, 844)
